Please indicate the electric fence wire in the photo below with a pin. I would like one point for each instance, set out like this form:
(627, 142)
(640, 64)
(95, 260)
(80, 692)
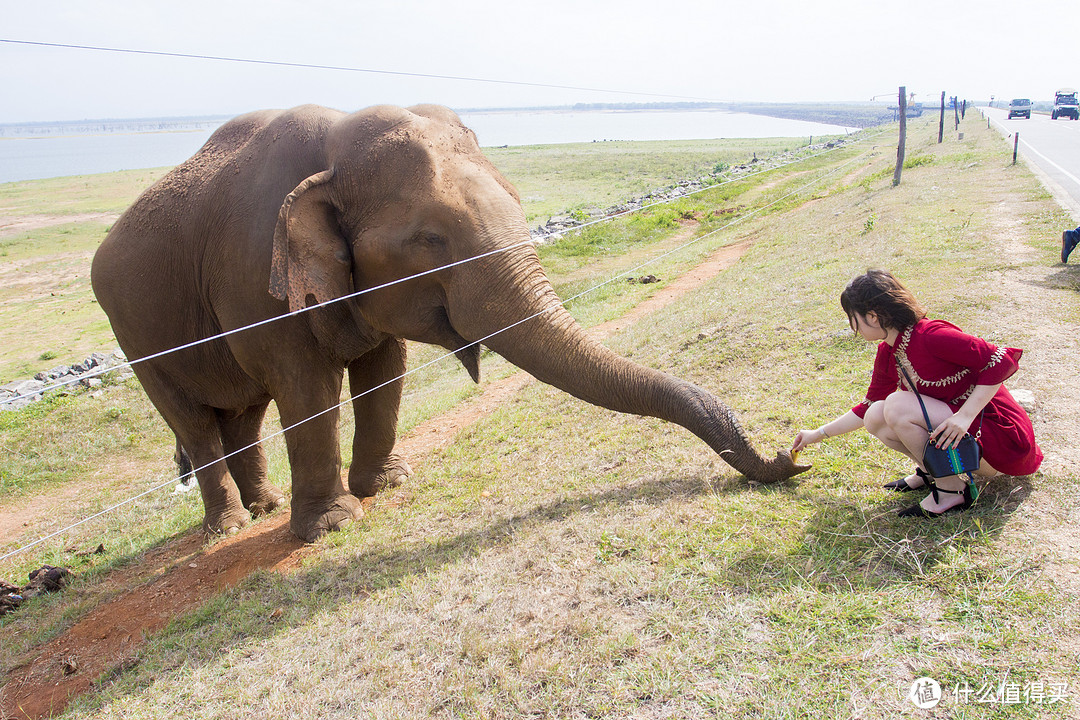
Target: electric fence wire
(341, 68)
(129, 363)
(278, 433)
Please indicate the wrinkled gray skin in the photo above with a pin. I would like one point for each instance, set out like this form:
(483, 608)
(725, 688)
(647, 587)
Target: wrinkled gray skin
(283, 209)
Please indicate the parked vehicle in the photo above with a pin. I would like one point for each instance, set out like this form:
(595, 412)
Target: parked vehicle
(1065, 105)
(1020, 107)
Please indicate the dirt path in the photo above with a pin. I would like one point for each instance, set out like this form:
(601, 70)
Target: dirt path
(1050, 521)
(181, 574)
(11, 225)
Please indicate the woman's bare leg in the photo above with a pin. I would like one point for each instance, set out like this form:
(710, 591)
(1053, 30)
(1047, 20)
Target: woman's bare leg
(875, 424)
(903, 416)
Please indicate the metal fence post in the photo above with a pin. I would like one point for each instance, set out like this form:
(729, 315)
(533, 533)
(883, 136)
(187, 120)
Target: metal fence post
(900, 145)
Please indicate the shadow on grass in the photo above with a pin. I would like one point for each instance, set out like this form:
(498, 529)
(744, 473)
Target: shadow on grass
(847, 548)
(843, 549)
(1067, 277)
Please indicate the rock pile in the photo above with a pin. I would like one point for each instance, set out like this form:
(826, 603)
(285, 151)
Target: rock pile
(87, 373)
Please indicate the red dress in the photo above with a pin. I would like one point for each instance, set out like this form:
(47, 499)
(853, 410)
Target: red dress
(946, 363)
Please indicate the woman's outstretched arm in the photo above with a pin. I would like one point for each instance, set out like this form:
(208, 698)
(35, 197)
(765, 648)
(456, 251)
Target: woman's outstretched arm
(844, 424)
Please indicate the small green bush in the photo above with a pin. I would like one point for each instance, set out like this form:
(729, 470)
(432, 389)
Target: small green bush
(657, 219)
(918, 161)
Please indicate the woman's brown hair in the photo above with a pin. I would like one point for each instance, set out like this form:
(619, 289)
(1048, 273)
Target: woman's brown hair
(880, 293)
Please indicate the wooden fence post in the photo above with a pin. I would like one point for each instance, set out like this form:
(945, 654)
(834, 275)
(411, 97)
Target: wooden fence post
(1016, 146)
(956, 111)
(941, 121)
(902, 142)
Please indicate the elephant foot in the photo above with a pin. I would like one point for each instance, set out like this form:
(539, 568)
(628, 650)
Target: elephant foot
(227, 522)
(366, 481)
(265, 502)
(314, 520)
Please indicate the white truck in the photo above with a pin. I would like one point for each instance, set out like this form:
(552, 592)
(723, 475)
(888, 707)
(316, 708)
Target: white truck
(1020, 107)
(1065, 104)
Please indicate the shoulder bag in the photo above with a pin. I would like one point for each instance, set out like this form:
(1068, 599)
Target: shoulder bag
(942, 462)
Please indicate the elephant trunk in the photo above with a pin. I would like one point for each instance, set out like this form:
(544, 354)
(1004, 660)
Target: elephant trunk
(556, 350)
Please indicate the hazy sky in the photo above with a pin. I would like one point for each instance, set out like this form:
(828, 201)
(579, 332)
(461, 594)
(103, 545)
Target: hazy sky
(769, 50)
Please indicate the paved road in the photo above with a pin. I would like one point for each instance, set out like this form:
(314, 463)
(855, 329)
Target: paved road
(1051, 147)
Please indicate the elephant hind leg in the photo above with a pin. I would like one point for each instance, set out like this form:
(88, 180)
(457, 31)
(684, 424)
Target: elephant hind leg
(199, 438)
(198, 433)
(183, 464)
(246, 460)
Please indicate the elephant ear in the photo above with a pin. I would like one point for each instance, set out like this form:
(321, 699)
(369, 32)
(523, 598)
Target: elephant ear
(310, 255)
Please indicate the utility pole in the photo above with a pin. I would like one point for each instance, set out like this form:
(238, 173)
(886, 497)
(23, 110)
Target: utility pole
(900, 145)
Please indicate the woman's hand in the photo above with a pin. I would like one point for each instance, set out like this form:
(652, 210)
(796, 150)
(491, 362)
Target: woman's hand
(950, 431)
(807, 437)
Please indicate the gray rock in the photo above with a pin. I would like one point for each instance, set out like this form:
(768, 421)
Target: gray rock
(16, 404)
(20, 393)
(59, 372)
(1026, 400)
(26, 388)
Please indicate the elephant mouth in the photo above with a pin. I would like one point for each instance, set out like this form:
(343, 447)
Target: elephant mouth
(470, 358)
(467, 353)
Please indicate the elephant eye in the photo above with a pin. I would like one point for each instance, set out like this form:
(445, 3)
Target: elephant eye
(429, 238)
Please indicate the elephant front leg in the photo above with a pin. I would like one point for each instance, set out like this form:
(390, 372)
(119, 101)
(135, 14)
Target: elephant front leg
(320, 503)
(374, 464)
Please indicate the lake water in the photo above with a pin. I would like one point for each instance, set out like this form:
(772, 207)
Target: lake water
(57, 150)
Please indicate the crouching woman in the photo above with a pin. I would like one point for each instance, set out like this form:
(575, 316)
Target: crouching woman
(959, 377)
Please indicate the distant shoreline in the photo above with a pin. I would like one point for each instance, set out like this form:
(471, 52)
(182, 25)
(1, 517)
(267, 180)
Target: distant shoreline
(43, 150)
(859, 115)
(62, 128)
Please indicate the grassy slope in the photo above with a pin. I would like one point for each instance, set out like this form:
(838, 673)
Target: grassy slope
(47, 313)
(563, 561)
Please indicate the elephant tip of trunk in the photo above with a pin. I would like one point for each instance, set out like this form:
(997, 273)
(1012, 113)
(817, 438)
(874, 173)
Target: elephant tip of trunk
(781, 468)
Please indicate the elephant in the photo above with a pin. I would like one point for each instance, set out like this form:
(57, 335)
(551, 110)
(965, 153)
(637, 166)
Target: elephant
(281, 211)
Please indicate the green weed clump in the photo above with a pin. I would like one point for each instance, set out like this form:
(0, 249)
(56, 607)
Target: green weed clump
(918, 161)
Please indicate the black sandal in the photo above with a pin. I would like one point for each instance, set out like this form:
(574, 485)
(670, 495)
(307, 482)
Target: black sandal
(918, 510)
(902, 486)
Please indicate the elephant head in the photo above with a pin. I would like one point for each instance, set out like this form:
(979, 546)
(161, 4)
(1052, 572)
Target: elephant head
(407, 192)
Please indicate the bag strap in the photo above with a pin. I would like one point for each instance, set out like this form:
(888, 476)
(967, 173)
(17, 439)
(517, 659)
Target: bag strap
(922, 405)
(926, 416)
